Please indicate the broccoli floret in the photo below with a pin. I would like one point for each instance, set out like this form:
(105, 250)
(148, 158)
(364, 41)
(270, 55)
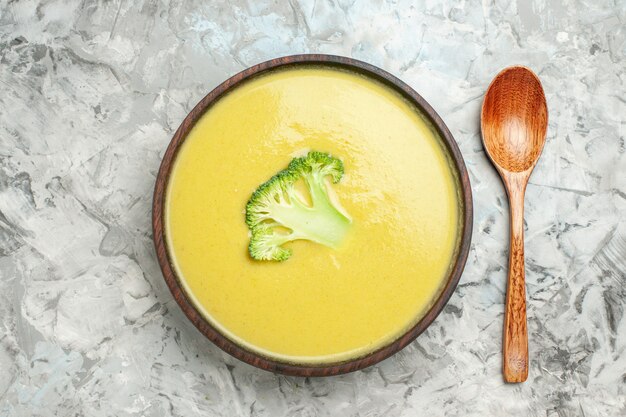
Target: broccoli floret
(277, 214)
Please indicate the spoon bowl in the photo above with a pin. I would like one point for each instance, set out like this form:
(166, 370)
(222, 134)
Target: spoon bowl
(514, 121)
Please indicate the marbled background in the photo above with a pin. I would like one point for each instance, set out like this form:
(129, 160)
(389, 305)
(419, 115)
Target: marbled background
(90, 95)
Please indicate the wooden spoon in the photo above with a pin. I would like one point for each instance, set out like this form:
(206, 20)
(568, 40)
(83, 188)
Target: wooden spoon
(513, 122)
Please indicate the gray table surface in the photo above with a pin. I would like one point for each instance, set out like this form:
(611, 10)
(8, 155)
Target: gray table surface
(90, 95)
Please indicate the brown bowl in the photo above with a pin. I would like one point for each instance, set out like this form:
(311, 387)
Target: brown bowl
(256, 359)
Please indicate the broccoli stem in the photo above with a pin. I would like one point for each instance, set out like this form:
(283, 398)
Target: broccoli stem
(321, 223)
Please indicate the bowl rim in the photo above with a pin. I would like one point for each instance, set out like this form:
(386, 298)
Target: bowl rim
(176, 288)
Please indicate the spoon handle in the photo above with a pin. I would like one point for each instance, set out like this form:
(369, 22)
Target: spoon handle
(515, 347)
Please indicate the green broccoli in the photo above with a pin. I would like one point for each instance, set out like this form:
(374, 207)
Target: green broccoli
(277, 214)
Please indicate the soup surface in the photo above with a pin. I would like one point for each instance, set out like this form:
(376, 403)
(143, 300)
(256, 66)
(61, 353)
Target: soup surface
(321, 305)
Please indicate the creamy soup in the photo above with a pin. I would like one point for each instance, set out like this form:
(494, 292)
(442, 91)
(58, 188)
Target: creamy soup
(321, 305)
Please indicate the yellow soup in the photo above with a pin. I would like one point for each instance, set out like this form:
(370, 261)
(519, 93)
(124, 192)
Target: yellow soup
(321, 305)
